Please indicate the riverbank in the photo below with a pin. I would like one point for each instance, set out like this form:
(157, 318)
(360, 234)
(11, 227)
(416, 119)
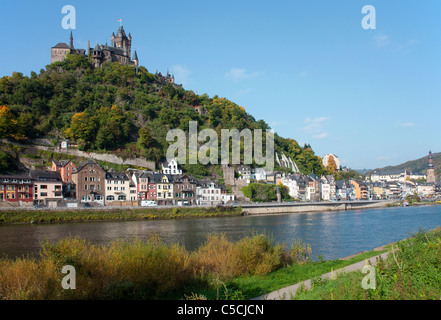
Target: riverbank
(218, 270)
(116, 214)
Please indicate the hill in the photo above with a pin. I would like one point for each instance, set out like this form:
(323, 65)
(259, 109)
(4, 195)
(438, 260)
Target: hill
(416, 166)
(121, 110)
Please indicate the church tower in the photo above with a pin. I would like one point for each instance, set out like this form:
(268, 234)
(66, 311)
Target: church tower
(431, 170)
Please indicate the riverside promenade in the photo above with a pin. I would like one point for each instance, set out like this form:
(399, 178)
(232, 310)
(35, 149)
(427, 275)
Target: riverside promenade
(299, 207)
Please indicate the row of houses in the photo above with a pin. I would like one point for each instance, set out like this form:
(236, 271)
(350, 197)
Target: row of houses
(326, 188)
(90, 183)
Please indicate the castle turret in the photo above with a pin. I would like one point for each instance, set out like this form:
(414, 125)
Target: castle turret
(135, 59)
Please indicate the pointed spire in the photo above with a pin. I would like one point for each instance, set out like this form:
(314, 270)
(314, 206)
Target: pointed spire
(135, 56)
(71, 40)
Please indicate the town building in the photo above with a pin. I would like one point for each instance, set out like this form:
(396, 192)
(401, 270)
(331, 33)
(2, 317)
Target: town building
(361, 190)
(171, 167)
(185, 190)
(117, 186)
(48, 187)
(164, 187)
(342, 190)
(90, 181)
(66, 168)
(17, 189)
(209, 193)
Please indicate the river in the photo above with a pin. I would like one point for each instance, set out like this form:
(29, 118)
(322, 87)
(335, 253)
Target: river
(331, 234)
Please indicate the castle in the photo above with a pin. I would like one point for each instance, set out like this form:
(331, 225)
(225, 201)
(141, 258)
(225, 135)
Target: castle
(120, 50)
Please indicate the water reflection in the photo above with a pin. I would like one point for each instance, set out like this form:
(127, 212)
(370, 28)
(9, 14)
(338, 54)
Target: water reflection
(331, 234)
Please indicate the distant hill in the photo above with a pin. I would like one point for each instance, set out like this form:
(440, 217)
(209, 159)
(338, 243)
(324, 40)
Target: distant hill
(417, 166)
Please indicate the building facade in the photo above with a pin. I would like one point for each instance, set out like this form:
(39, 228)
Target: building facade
(90, 181)
(48, 187)
(17, 189)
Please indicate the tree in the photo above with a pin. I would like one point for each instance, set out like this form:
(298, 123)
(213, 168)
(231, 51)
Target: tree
(331, 164)
(8, 122)
(145, 139)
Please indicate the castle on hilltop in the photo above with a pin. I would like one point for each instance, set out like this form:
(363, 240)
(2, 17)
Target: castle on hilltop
(119, 50)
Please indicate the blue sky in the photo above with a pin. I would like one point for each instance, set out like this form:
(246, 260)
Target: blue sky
(308, 68)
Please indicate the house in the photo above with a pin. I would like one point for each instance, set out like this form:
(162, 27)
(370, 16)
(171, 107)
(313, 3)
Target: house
(146, 185)
(90, 181)
(48, 187)
(164, 188)
(117, 187)
(426, 189)
(342, 190)
(258, 174)
(66, 168)
(377, 190)
(17, 189)
(208, 193)
(361, 190)
(171, 168)
(292, 184)
(185, 190)
(328, 188)
(393, 190)
(313, 190)
(244, 172)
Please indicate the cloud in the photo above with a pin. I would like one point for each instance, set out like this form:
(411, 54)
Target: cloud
(243, 92)
(405, 124)
(322, 135)
(238, 74)
(382, 40)
(383, 158)
(315, 127)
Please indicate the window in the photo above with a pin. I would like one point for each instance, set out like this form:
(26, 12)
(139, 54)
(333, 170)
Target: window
(115, 188)
(98, 197)
(109, 188)
(43, 187)
(121, 198)
(43, 194)
(110, 198)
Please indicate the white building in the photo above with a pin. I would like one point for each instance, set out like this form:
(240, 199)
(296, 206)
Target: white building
(259, 174)
(117, 187)
(292, 185)
(208, 193)
(171, 168)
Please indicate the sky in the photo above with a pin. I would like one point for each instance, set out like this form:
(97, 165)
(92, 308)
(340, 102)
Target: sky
(307, 68)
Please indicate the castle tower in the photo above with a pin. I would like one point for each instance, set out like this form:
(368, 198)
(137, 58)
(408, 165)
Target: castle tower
(431, 170)
(122, 41)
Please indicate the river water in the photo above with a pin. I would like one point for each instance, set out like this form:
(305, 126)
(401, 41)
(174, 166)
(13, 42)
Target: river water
(331, 234)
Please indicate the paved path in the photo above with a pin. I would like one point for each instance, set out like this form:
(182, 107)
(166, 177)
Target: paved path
(288, 292)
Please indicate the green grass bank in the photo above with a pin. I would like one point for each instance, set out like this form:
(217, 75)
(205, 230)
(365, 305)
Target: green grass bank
(412, 272)
(120, 214)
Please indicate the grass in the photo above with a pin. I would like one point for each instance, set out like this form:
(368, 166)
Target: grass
(218, 269)
(143, 269)
(412, 272)
(63, 216)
